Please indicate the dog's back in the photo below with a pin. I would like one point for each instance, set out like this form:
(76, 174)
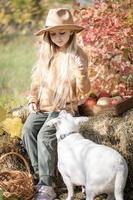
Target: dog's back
(89, 163)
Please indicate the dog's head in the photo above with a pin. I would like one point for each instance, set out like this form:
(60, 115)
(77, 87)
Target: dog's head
(66, 123)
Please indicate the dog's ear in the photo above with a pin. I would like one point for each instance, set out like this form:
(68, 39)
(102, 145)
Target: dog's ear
(63, 113)
(80, 120)
(53, 122)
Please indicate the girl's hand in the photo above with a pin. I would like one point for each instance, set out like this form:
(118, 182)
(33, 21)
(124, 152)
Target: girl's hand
(81, 69)
(33, 108)
(78, 61)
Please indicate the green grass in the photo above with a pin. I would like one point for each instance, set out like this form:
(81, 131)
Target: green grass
(17, 57)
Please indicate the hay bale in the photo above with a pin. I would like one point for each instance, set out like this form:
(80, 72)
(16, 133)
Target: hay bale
(116, 132)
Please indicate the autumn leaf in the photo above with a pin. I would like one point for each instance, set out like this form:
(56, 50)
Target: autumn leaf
(12, 126)
(2, 113)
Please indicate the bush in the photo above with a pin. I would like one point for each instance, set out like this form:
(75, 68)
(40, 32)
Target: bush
(107, 39)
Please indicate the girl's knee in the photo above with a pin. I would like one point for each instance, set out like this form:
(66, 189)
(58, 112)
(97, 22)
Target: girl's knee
(47, 139)
(28, 130)
(42, 137)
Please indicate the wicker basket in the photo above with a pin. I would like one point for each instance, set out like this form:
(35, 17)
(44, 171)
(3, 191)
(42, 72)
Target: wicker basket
(16, 182)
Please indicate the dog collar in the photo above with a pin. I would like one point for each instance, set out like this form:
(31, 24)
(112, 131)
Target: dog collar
(65, 135)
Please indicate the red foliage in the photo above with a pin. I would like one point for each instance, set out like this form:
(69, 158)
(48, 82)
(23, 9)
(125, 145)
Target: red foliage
(108, 41)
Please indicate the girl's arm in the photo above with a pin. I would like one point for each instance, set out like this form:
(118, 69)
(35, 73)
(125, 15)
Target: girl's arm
(33, 108)
(82, 79)
(35, 87)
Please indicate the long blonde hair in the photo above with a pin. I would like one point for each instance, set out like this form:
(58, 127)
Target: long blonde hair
(47, 53)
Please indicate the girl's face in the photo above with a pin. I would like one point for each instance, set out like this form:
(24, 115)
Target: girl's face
(60, 37)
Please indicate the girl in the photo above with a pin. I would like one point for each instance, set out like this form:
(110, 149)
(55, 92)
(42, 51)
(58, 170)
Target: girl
(59, 79)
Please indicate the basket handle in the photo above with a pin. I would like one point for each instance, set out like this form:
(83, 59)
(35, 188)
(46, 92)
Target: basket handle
(20, 156)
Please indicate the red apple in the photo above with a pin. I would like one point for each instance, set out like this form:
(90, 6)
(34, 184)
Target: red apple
(126, 97)
(119, 98)
(115, 100)
(103, 94)
(90, 102)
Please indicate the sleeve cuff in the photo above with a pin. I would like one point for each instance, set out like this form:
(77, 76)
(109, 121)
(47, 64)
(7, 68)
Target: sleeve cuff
(32, 99)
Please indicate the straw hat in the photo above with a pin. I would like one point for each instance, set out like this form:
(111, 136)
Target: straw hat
(60, 18)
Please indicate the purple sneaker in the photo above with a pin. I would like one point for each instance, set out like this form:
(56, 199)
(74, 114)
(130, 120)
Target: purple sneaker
(45, 193)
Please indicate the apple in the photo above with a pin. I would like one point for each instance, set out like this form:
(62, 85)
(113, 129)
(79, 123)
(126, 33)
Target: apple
(104, 101)
(126, 97)
(103, 94)
(119, 98)
(90, 102)
(115, 100)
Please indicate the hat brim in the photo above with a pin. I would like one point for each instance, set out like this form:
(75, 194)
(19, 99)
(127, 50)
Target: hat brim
(71, 27)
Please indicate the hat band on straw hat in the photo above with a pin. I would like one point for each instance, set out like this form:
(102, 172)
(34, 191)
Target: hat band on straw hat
(59, 19)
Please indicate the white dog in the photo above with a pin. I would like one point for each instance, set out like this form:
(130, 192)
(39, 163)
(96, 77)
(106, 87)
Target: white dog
(99, 168)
